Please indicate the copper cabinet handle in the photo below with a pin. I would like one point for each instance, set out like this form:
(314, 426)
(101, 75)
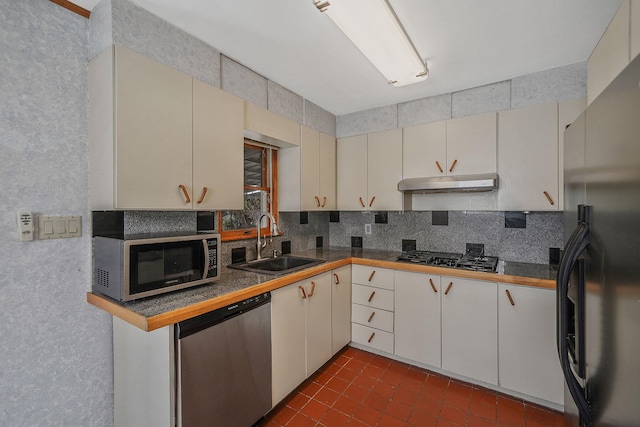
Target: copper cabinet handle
(313, 289)
(371, 296)
(337, 278)
(373, 273)
(317, 201)
(439, 167)
(371, 202)
(187, 199)
(453, 165)
(324, 201)
(373, 313)
(362, 203)
(509, 296)
(433, 286)
(548, 198)
(448, 288)
(303, 292)
(204, 193)
(373, 334)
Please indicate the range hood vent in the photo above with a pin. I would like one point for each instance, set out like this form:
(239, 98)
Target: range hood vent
(449, 184)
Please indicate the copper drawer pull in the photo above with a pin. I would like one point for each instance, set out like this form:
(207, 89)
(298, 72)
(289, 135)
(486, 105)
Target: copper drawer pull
(448, 288)
(433, 286)
(373, 313)
(204, 193)
(303, 292)
(371, 202)
(313, 289)
(373, 334)
(186, 194)
(372, 274)
(324, 201)
(439, 167)
(548, 198)
(337, 278)
(371, 296)
(362, 203)
(509, 296)
(317, 201)
(453, 165)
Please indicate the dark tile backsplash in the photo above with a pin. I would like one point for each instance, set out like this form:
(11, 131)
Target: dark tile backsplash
(285, 247)
(356, 242)
(334, 216)
(515, 220)
(408, 245)
(381, 218)
(319, 242)
(554, 256)
(440, 218)
(238, 255)
(304, 217)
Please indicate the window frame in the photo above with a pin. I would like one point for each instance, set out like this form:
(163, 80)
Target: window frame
(272, 199)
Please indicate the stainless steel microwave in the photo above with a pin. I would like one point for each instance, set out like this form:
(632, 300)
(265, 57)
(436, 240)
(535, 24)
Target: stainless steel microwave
(139, 266)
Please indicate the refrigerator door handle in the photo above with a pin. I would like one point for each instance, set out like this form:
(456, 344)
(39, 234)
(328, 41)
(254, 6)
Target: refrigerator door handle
(577, 243)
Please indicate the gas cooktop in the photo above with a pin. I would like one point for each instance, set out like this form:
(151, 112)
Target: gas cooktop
(471, 262)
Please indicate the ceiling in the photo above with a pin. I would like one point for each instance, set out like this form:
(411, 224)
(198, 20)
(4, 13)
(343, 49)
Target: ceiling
(467, 43)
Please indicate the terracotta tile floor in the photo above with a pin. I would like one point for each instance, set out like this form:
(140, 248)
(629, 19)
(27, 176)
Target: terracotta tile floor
(357, 388)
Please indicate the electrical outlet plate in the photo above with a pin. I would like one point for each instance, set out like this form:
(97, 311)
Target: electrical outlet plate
(58, 227)
(25, 226)
(367, 229)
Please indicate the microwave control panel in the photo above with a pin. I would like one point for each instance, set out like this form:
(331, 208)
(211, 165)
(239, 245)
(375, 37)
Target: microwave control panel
(213, 255)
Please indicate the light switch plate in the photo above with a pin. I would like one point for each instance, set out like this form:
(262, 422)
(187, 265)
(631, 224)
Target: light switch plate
(58, 227)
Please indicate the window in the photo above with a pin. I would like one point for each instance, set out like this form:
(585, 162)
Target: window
(260, 183)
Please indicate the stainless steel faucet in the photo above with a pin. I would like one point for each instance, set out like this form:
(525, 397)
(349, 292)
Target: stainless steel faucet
(274, 230)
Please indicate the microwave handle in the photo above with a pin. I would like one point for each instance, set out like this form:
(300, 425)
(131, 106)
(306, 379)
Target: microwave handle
(205, 266)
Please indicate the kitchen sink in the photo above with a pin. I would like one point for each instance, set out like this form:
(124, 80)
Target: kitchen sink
(278, 265)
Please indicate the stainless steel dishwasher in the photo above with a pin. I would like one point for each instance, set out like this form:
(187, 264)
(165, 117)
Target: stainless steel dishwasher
(224, 365)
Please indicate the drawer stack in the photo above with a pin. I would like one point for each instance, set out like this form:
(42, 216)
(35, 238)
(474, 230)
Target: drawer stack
(372, 296)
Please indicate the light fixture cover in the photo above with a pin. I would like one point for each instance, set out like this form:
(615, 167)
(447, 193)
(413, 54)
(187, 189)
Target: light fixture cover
(374, 28)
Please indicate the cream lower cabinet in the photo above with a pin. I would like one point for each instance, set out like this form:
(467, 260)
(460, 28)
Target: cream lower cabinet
(470, 328)
(372, 309)
(369, 168)
(160, 139)
(417, 317)
(300, 332)
(340, 308)
(528, 359)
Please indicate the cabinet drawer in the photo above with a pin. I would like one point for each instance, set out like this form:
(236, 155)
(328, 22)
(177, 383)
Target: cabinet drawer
(372, 297)
(372, 276)
(371, 337)
(373, 317)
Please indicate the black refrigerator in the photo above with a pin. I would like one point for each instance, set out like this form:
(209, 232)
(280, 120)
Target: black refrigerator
(598, 289)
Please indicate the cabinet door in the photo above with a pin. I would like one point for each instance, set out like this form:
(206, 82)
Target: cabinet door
(384, 170)
(288, 346)
(318, 320)
(310, 169)
(327, 186)
(471, 145)
(352, 173)
(424, 151)
(218, 149)
(470, 329)
(528, 359)
(341, 308)
(153, 134)
(373, 276)
(528, 158)
(417, 317)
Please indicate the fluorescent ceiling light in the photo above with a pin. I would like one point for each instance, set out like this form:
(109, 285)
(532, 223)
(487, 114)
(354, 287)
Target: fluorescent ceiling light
(375, 29)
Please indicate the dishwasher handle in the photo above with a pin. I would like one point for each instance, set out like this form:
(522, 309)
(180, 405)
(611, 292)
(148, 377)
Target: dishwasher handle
(212, 318)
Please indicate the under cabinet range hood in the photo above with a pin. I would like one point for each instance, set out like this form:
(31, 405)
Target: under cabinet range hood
(449, 184)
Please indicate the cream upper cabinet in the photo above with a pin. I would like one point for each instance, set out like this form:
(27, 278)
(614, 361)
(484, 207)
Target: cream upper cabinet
(327, 185)
(528, 358)
(218, 149)
(266, 126)
(528, 159)
(142, 118)
(369, 169)
(470, 328)
(461, 146)
(634, 48)
(318, 170)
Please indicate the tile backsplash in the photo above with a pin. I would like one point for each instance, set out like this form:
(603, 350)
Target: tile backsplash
(544, 230)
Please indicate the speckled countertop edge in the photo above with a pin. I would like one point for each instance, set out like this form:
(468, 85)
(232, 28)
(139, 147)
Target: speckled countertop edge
(244, 284)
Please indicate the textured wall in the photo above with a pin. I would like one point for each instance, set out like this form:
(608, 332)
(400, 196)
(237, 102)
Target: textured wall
(55, 357)
(530, 244)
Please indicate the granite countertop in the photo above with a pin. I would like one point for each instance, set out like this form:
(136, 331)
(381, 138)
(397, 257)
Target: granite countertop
(235, 285)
